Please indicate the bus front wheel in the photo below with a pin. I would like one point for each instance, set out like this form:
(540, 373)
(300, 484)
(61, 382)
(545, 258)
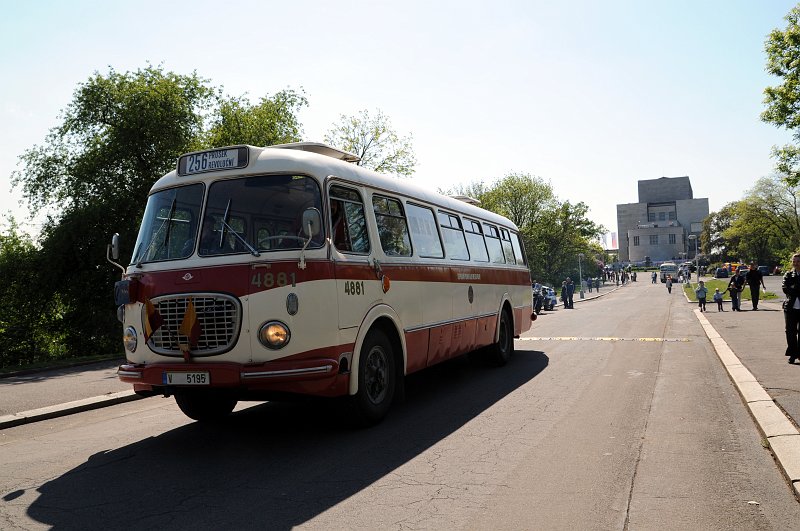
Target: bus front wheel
(205, 406)
(376, 379)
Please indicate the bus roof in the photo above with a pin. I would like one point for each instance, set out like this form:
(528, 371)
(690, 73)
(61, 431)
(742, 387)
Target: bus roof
(323, 161)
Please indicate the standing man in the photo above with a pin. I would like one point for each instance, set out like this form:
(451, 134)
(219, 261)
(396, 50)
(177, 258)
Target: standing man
(570, 291)
(791, 308)
(755, 279)
(735, 287)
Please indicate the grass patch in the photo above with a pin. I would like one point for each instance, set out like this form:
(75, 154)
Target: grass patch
(722, 284)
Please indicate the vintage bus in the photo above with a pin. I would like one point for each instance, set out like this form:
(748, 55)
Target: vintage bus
(668, 269)
(265, 272)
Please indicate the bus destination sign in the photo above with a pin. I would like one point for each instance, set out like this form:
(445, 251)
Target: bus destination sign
(214, 160)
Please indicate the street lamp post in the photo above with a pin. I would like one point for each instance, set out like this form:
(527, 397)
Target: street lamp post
(696, 268)
(580, 274)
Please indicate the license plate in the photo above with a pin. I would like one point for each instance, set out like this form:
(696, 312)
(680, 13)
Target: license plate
(186, 378)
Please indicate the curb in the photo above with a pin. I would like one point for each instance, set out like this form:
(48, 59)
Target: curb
(68, 408)
(780, 433)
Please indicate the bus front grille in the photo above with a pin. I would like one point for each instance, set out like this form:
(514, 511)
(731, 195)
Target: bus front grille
(219, 318)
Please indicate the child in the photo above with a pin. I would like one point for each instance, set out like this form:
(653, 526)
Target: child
(701, 291)
(718, 299)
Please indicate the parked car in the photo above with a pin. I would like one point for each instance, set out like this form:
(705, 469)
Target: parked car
(721, 272)
(764, 270)
(550, 298)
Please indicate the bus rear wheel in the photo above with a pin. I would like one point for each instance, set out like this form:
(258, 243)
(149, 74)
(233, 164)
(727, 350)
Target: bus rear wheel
(377, 380)
(205, 406)
(500, 352)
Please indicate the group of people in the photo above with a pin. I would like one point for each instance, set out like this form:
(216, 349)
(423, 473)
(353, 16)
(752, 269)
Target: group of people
(754, 280)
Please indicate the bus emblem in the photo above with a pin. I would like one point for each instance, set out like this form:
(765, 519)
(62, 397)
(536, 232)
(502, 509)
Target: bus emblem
(187, 277)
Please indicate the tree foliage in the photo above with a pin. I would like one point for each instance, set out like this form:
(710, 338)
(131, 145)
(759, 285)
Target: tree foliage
(272, 121)
(783, 101)
(764, 226)
(31, 314)
(120, 133)
(374, 140)
(554, 232)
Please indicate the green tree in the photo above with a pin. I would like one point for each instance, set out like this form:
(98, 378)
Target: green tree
(783, 101)
(554, 232)
(31, 315)
(374, 140)
(713, 242)
(272, 121)
(765, 224)
(120, 133)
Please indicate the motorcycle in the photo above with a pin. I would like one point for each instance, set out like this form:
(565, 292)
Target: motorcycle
(538, 300)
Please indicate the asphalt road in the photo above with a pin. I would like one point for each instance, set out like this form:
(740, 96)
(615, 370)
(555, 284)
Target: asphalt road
(615, 415)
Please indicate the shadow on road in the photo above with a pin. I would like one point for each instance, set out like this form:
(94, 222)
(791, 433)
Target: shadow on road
(275, 465)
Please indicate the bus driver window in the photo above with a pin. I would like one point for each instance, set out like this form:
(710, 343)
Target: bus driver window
(339, 226)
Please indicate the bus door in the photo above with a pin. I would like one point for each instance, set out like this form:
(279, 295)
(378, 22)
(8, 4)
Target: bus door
(357, 283)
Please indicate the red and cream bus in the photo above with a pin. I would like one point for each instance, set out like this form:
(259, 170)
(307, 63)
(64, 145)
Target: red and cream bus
(261, 272)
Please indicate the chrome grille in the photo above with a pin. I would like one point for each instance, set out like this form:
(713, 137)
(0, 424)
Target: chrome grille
(219, 317)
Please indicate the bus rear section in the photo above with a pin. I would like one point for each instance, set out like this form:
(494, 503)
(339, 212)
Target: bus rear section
(267, 272)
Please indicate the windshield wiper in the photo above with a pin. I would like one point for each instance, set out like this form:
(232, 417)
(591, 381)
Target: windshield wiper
(155, 236)
(224, 222)
(169, 225)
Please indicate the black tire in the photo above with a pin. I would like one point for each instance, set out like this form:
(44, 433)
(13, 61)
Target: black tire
(206, 406)
(500, 352)
(377, 379)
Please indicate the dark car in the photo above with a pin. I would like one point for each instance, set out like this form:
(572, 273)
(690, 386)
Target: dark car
(721, 272)
(764, 270)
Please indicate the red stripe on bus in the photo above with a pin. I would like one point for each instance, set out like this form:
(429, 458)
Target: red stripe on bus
(243, 279)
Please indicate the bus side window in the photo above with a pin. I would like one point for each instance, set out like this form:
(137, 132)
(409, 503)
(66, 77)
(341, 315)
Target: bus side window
(392, 226)
(454, 243)
(493, 244)
(348, 222)
(424, 231)
(516, 242)
(475, 242)
(508, 247)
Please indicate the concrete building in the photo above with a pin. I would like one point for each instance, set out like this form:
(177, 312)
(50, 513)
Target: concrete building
(659, 225)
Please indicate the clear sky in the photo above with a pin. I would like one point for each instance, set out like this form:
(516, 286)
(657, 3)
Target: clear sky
(589, 95)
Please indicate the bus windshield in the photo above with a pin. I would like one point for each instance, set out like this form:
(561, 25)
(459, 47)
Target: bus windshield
(262, 213)
(169, 226)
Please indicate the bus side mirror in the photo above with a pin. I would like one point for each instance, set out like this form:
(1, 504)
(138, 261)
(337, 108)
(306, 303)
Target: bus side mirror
(115, 247)
(312, 222)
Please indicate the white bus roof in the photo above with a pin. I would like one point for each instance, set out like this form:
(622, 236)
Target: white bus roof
(324, 161)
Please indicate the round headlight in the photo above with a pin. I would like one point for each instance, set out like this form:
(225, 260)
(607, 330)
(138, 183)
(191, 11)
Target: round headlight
(274, 335)
(129, 339)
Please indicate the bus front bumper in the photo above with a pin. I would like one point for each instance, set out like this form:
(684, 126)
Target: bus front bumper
(319, 376)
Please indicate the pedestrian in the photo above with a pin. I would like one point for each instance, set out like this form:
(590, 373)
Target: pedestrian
(735, 287)
(589, 282)
(791, 308)
(564, 293)
(701, 291)
(597, 284)
(755, 279)
(669, 283)
(570, 292)
(718, 299)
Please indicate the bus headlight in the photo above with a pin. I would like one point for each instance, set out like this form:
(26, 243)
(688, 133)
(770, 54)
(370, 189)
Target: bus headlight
(274, 335)
(129, 339)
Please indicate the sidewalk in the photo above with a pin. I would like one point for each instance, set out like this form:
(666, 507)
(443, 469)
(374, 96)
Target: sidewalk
(54, 393)
(751, 345)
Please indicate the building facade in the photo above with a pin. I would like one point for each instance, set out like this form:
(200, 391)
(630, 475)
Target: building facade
(659, 225)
